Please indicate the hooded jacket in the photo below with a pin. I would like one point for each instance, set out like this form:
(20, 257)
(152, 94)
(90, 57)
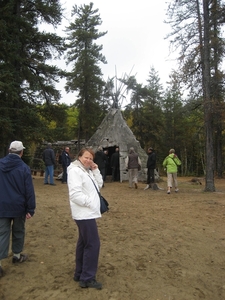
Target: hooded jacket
(83, 196)
(171, 162)
(17, 197)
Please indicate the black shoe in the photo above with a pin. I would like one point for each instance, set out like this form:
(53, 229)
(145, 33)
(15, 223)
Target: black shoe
(52, 184)
(76, 278)
(1, 272)
(23, 257)
(46, 183)
(91, 284)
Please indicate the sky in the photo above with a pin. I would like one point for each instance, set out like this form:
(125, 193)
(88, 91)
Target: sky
(135, 39)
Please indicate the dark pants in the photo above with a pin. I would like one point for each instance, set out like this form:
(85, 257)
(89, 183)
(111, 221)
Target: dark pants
(115, 174)
(64, 176)
(87, 251)
(18, 233)
(151, 176)
(103, 172)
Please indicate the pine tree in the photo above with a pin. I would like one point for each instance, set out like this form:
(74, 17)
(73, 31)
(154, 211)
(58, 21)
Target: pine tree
(26, 79)
(196, 27)
(86, 77)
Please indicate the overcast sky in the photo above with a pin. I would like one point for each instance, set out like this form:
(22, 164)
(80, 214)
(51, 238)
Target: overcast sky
(135, 40)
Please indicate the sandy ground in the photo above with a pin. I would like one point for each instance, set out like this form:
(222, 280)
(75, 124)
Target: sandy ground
(153, 246)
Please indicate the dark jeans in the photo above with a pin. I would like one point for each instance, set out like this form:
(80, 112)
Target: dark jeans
(151, 176)
(17, 226)
(87, 250)
(64, 176)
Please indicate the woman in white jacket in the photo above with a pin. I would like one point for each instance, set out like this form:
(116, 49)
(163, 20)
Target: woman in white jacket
(85, 207)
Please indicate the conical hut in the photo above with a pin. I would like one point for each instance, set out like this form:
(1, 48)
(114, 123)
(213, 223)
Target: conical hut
(114, 132)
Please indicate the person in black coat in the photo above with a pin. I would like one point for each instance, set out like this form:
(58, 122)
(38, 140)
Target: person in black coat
(66, 160)
(100, 159)
(115, 165)
(151, 165)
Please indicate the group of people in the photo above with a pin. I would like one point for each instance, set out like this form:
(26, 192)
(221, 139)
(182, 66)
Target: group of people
(84, 179)
(49, 161)
(103, 162)
(17, 204)
(170, 163)
(133, 165)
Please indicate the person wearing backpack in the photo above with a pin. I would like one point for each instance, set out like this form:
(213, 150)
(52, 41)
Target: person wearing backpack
(170, 163)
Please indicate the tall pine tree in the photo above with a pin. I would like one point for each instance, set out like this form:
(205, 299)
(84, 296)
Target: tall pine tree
(86, 77)
(26, 79)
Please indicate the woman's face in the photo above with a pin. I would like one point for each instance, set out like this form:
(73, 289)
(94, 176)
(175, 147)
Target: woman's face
(86, 159)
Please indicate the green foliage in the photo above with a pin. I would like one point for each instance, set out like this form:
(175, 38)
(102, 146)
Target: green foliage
(85, 78)
(26, 78)
(145, 110)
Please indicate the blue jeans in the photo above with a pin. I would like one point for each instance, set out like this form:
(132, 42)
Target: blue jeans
(17, 225)
(49, 171)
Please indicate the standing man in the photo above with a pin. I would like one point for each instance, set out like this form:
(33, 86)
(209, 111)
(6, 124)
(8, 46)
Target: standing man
(66, 160)
(49, 160)
(115, 165)
(106, 164)
(151, 165)
(17, 202)
(100, 160)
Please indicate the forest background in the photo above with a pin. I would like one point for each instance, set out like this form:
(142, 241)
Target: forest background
(191, 122)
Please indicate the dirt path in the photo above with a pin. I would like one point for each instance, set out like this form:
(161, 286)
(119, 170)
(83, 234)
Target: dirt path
(154, 246)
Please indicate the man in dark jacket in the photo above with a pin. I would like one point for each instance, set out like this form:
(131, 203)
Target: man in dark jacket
(17, 202)
(49, 160)
(66, 160)
(115, 165)
(151, 165)
(100, 159)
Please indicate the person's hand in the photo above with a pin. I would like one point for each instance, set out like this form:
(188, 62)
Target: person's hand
(93, 166)
(28, 216)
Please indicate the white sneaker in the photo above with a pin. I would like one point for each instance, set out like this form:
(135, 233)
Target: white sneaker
(147, 187)
(176, 190)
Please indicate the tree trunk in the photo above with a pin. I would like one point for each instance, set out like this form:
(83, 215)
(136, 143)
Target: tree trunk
(208, 107)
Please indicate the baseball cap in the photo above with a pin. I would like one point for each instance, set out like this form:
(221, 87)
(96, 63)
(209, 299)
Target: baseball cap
(16, 146)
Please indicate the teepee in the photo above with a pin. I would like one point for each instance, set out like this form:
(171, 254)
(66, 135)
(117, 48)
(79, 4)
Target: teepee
(114, 132)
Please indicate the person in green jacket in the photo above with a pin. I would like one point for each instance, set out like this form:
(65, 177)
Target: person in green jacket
(170, 163)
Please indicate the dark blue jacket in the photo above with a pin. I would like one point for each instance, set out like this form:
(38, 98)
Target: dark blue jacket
(66, 160)
(17, 197)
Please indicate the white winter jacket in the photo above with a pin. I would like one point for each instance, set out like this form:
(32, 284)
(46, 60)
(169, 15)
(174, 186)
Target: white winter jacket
(83, 197)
